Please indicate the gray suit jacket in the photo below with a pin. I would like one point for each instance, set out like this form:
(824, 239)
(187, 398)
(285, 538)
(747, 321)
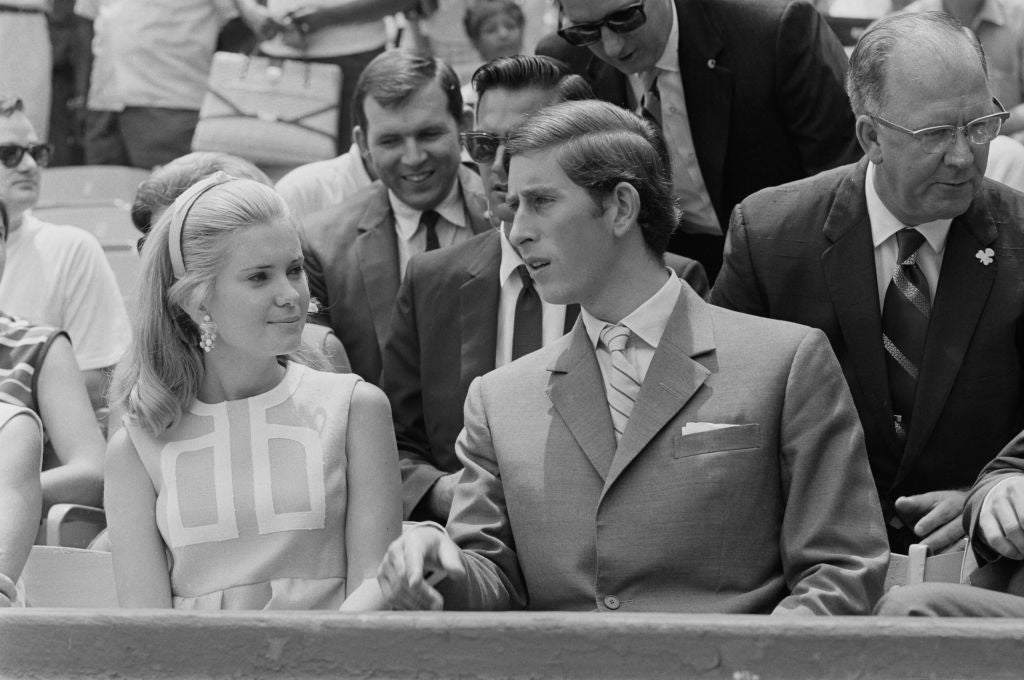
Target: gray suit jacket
(776, 512)
(351, 253)
(444, 333)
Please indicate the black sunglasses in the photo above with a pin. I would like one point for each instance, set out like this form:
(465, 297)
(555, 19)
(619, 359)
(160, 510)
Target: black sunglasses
(621, 21)
(11, 154)
(482, 146)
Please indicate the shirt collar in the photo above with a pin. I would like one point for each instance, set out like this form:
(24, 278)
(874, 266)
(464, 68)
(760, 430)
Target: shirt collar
(407, 219)
(648, 321)
(510, 259)
(884, 224)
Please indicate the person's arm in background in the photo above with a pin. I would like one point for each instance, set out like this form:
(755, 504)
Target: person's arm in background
(72, 428)
(310, 19)
(21, 440)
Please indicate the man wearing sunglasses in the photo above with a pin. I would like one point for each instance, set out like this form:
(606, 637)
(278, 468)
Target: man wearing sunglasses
(909, 261)
(748, 94)
(56, 275)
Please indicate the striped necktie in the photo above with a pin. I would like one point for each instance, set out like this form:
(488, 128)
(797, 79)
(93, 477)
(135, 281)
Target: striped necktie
(905, 316)
(623, 384)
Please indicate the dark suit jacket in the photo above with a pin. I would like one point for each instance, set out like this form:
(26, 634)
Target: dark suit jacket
(352, 263)
(763, 82)
(774, 511)
(803, 252)
(444, 333)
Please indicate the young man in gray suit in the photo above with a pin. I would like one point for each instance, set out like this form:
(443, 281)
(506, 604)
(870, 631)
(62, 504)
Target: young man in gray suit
(665, 455)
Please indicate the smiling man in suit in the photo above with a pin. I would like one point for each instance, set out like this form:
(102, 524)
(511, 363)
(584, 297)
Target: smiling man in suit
(465, 310)
(409, 114)
(748, 93)
(910, 261)
(666, 455)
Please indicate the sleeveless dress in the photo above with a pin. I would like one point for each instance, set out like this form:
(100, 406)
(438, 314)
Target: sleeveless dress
(251, 496)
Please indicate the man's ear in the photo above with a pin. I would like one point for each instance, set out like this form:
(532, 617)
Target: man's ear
(867, 136)
(625, 202)
(364, 150)
(466, 123)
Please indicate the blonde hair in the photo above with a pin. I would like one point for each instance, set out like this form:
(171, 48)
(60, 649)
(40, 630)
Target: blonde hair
(161, 374)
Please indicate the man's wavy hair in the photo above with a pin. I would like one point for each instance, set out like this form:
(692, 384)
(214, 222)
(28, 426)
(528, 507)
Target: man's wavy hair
(598, 145)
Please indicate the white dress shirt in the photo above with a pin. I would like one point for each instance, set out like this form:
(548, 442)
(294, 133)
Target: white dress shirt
(688, 182)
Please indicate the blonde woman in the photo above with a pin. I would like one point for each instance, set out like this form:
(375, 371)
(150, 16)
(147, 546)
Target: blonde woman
(243, 479)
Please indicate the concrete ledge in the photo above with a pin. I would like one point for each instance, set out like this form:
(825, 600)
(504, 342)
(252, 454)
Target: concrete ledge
(148, 644)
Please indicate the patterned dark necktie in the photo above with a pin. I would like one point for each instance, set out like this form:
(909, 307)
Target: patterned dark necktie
(428, 220)
(905, 316)
(527, 330)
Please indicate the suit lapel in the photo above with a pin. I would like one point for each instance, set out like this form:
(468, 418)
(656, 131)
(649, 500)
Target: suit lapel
(672, 378)
(963, 291)
(707, 88)
(849, 268)
(577, 394)
(478, 311)
(377, 248)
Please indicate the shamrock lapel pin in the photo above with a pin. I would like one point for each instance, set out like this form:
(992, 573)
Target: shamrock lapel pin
(985, 256)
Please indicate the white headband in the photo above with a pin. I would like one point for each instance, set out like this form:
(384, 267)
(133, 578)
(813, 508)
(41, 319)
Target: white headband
(180, 210)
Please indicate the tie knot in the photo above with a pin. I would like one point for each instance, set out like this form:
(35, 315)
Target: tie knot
(615, 337)
(428, 219)
(524, 274)
(909, 240)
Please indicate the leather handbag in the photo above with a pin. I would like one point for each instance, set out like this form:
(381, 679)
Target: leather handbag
(269, 110)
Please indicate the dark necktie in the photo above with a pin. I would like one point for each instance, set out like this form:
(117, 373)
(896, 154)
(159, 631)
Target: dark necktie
(428, 220)
(904, 328)
(527, 333)
(651, 105)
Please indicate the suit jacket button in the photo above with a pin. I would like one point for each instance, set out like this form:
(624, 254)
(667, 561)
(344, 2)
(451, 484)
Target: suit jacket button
(611, 602)
(711, 63)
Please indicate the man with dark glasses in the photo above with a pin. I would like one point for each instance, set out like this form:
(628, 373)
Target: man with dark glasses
(56, 275)
(908, 261)
(747, 92)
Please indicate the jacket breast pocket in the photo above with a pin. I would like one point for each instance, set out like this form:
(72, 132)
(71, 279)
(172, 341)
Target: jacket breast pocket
(732, 438)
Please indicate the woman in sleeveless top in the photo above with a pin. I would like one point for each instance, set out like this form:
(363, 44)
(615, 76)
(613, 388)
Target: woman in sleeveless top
(243, 478)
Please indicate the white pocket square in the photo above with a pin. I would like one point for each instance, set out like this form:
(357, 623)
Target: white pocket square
(694, 428)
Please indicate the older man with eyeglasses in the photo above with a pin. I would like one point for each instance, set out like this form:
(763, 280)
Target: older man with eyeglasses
(56, 275)
(748, 94)
(910, 262)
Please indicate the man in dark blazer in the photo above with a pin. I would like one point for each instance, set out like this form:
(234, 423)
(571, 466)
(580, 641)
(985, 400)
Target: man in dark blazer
(409, 113)
(824, 252)
(447, 327)
(751, 95)
(666, 455)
